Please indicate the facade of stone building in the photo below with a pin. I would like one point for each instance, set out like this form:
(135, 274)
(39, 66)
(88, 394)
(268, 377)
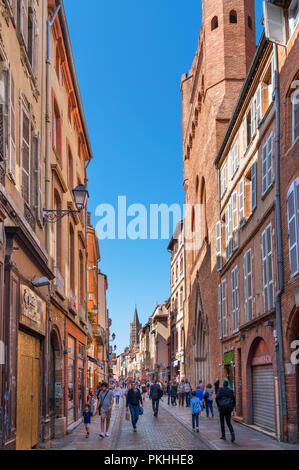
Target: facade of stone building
(209, 94)
(44, 155)
(177, 303)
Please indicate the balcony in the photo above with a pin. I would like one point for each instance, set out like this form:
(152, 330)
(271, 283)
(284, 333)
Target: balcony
(99, 333)
(72, 302)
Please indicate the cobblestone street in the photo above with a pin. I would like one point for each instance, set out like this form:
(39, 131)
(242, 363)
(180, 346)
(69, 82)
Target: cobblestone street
(163, 433)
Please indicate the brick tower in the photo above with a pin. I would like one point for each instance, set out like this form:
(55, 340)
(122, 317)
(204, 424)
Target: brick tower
(135, 327)
(226, 47)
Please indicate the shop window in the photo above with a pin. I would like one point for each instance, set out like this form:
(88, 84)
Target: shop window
(233, 17)
(214, 23)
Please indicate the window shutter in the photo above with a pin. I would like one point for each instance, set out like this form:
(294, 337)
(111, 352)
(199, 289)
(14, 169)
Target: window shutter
(259, 105)
(253, 118)
(246, 286)
(235, 210)
(35, 47)
(293, 229)
(253, 186)
(270, 161)
(241, 202)
(265, 271)
(36, 201)
(264, 168)
(219, 245)
(25, 142)
(24, 21)
(235, 298)
(224, 308)
(12, 144)
(296, 117)
(220, 311)
(274, 23)
(245, 133)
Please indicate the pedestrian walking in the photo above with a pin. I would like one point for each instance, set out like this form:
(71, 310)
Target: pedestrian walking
(169, 392)
(117, 392)
(188, 389)
(134, 403)
(156, 393)
(217, 385)
(87, 414)
(105, 404)
(208, 397)
(226, 403)
(143, 391)
(174, 393)
(196, 407)
(181, 393)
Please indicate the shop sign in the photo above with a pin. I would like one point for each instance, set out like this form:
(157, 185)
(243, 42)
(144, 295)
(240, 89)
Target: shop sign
(33, 310)
(261, 356)
(229, 358)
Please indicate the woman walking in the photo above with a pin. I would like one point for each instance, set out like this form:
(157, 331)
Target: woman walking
(208, 396)
(143, 391)
(181, 393)
(174, 393)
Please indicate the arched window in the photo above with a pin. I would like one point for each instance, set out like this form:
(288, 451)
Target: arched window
(250, 22)
(56, 129)
(70, 170)
(233, 17)
(72, 257)
(214, 23)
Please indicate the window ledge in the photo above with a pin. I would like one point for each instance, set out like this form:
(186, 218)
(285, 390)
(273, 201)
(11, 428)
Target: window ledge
(268, 190)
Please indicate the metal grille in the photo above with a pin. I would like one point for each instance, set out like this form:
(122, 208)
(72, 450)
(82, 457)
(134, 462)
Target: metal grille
(263, 397)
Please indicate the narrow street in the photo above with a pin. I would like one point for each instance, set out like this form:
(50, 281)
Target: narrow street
(163, 433)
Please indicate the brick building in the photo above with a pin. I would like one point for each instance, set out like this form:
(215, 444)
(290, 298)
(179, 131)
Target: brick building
(209, 94)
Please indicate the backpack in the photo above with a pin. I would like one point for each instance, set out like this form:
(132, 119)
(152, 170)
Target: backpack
(226, 404)
(206, 396)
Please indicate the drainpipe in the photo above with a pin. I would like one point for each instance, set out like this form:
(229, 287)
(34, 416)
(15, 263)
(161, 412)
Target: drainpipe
(48, 121)
(279, 247)
(86, 251)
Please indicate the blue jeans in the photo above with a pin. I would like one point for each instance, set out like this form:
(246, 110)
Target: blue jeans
(117, 399)
(188, 398)
(195, 420)
(134, 415)
(209, 406)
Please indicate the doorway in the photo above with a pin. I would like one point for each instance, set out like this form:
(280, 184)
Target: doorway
(28, 392)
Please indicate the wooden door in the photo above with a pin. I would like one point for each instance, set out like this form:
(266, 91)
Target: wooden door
(28, 392)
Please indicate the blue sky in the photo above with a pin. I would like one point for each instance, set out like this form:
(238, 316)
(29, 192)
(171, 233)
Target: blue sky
(129, 58)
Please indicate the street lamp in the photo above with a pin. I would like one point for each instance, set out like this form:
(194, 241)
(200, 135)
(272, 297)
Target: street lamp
(80, 194)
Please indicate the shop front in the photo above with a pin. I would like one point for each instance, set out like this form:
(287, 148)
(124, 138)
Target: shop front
(263, 401)
(31, 334)
(76, 369)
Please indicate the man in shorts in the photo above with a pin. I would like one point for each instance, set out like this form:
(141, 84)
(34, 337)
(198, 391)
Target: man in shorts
(105, 404)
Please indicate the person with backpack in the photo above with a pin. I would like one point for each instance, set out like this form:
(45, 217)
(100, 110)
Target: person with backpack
(156, 393)
(226, 403)
(208, 397)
